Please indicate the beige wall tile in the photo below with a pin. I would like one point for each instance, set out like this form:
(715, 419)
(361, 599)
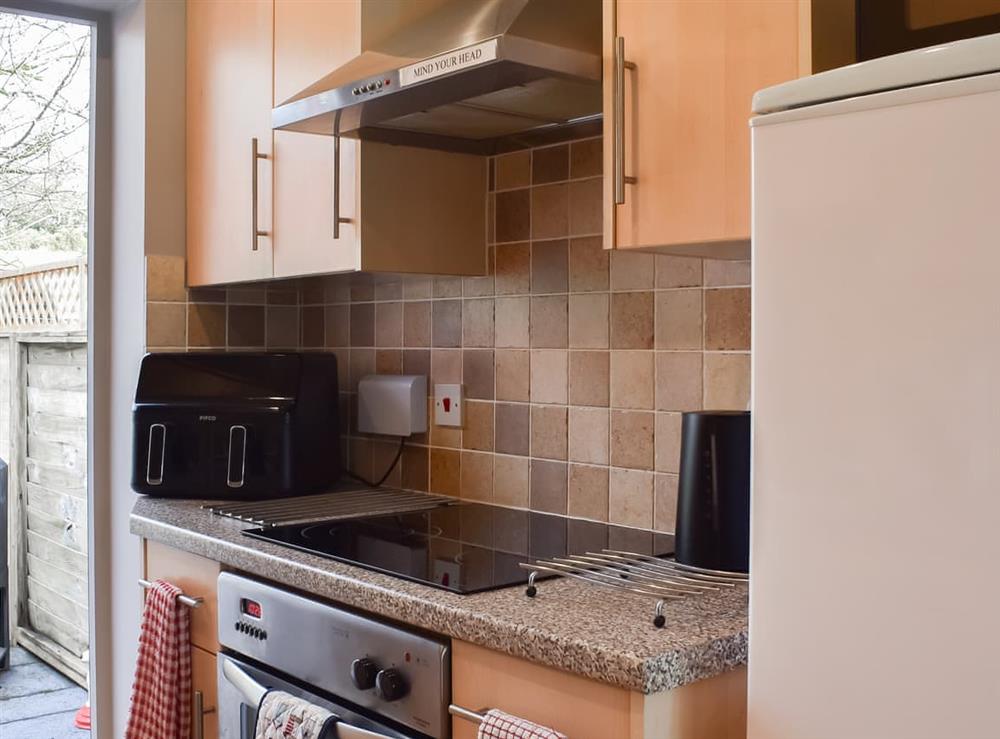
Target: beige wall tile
(313, 327)
(678, 271)
(417, 324)
(510, 481)
(337, 322)
(446, 366)
(417, 287)
(665, 503)
(362, 363)
(417, 362)
(632, 270)
(336, 289)
(589, 321)
(668, 442)
(585, 207)
(166, 324)
(447, 436)
(446, 320)
(549, 376)
(477, 323)
(165, 279)
(588, 264)
(383, 458)
(632, 320)
(549, 320)
(632, 439)
(477, 476)
(206, 325)
(388, 287)
(726, 273)
(548, 486)
(513, 269)
(585, 158)
(550, 266)
(282, 327)
(415, 466)
(512, 321)
(388, 361)
(550, 164)
(633, 379)
(360, 457)
(588, 492)
(513, 429)
(445, 472)
(630, 498)
(249, 296)
(548, 431)
(727, 381)
(206, 295)
(589, 378)
(512, 374)
(478, 429)
(447, 286)
(477, 373)
(513, 216)
(362, 324)
(588, 435)
(513, 170)
(727, 318)
(389, 324)
(678, 319)
(549, 211)
(678, 381)
(362, 287)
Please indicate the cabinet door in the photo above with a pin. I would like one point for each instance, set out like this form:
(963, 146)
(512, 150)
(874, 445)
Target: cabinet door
(228, 105)
(685, 113)
(197, 577)
(311, 39)
(204, 681)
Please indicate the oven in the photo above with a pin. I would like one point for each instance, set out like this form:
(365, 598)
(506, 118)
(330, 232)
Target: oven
(378, 678)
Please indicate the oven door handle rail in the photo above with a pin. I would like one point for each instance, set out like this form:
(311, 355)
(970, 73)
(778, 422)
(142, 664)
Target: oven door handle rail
(254, 692)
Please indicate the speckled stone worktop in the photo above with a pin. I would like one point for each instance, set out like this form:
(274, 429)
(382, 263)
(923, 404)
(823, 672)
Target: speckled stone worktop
(604, 635)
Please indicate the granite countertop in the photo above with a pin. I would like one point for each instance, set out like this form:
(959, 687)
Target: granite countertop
(607, 636)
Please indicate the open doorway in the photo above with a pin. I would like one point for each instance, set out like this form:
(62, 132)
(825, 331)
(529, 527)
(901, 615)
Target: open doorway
(46, 79)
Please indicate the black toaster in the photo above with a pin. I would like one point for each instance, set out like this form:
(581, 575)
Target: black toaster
(238, 426)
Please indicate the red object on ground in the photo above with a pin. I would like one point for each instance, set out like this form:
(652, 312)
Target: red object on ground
(82, 718)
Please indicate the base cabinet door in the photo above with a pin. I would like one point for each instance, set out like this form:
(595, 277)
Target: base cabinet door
(204, 690)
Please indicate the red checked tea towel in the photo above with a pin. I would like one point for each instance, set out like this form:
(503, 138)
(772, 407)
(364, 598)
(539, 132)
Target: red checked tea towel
(499, 725)
(161, 693)
(283, 716)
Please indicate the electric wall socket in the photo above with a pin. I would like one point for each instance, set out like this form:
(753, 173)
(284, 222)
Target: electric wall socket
(448, 405)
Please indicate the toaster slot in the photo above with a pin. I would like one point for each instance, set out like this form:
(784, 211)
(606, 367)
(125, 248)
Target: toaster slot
(156, 454)
(237, 456)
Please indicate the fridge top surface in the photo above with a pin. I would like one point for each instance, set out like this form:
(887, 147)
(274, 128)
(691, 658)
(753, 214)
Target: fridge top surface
(955, 60)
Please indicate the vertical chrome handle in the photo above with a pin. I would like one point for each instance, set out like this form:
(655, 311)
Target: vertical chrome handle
(618, 124)
(198, 713)
(257, 233)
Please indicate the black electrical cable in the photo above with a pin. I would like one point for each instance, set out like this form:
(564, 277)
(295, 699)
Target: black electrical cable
(395, 461)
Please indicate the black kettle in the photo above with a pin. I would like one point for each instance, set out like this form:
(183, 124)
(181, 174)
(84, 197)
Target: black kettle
(713, 494)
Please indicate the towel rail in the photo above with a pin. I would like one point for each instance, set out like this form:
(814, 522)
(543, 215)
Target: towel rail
(475, 717)
(190, 601)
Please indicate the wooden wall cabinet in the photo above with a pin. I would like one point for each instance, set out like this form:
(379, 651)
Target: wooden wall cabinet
(677, 140)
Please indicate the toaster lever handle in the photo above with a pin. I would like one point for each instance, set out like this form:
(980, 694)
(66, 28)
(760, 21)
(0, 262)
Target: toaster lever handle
(237, 456)
(156, 454)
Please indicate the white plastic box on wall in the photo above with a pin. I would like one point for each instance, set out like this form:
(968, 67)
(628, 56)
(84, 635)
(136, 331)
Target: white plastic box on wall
(392, 405)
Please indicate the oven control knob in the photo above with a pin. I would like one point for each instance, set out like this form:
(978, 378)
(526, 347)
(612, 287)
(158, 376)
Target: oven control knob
(363, 673)
(390, 685)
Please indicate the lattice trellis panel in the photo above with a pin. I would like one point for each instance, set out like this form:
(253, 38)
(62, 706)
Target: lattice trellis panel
(53, 297)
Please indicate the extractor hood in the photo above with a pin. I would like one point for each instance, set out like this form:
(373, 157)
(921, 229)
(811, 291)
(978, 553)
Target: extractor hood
(476, 76)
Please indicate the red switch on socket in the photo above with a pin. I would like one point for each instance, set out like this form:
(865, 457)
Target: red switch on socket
(446, 402)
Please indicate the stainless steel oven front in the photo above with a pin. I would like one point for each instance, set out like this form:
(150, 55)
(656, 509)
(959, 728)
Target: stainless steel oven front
(378, 678)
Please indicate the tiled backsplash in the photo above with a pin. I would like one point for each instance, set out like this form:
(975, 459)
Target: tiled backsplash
(576, 362)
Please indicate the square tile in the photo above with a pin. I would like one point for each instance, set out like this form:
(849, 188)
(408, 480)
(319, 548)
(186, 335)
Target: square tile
(513, 429)
(166, 325)
(727, 381)
(446, 366)
(417, 362)
(633, 380)
(549, 319)
(678, 319)
(362, 287)
(668, 442)
(384, 462)
(246, 295)
(550, 164)
(589, 321)
(477, 322)
(388, 288)
(313, 327)
(588, 264)
(389, 324)
(478, 428)
(632, 320)
(362, 324)
(726, 273)
(588, 492)
(630, 498)
(512, 321)
(678, 381)
(418, 287)
(477, 373)
(513, 269)
(513, 218)
(513, 170)
(549, 381)
(727, 318)
(445, 472)
(588, 435)
(510, 481)
(477, 476)
(548, 486)
(632, 439)
(206, 325)
(165, 280)
(589, 382)
(360, 457)
(550, 266)
(678, 271)
(388, 361)
(586, 203)
(282, 327)
(417, 324)
(549, 212)
(447, 286)
(586, 158)
(415, 465)
(336, 323)
(512, 374)
(548, 432)
(665, 503)
(632, 270)
(362, 363)
(447, 323)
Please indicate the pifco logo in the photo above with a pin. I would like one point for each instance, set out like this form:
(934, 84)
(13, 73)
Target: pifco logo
(453, 61)
(206, 418)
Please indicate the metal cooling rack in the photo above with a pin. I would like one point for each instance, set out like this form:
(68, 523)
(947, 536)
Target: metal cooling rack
(662, 579)
(341, 504)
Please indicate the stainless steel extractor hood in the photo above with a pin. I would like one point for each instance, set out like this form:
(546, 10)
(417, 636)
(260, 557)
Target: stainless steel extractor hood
(477, 76)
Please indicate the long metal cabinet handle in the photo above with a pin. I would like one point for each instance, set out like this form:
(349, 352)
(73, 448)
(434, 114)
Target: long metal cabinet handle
(619, 120)
(199, 711)
(257, 233)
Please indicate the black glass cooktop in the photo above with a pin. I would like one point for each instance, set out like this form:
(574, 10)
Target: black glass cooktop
(461, 547)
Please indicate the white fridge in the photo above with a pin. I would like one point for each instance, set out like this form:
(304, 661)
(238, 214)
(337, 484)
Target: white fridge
(875, 553)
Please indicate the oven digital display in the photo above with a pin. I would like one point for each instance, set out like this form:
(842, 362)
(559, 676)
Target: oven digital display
(250, 608)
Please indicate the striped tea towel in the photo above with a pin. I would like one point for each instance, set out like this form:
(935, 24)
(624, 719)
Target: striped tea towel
(499, 725)
(283, 716)
(161, 693)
